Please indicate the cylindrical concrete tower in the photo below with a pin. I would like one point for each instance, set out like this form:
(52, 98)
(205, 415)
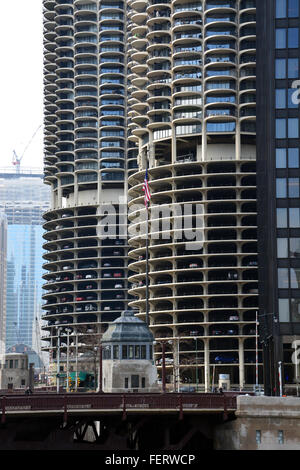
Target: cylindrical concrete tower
(85, 164)
(192, 85)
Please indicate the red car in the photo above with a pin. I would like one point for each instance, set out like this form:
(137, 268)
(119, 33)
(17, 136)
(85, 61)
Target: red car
(79, 298)
(117, 274)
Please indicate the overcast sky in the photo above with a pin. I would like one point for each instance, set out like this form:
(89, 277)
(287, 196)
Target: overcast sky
(21, 81)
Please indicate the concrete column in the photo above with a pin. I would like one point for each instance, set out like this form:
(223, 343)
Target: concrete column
(206, 366)
(204, 143)
(238, 140)
(75, 190)
(174, 148)
(241, 363)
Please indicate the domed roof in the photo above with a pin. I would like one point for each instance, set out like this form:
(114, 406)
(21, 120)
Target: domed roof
(128, 328)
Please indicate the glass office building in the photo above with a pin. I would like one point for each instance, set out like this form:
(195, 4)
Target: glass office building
(23, 199)
(278, 189)
(3, 255)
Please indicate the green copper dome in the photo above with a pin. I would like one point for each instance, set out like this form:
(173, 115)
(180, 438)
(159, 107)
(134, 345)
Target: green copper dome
(128, 328)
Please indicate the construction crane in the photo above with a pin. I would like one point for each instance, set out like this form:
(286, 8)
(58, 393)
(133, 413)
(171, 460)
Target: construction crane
(16, 161)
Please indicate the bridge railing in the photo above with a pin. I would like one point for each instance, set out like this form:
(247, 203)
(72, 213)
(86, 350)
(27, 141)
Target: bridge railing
(123, 402)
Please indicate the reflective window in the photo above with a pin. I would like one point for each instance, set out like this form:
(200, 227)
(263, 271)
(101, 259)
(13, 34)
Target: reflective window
(293, 128)
(295, 278)
(280, 8)
(280, 129)
(291, 104)
(293, 158)
(293, 38)
(293, 187)
(280, 38)
(294, 248)
(282, 247)
(284, 310)
(293, 8)
(280, 68)
(280, 158)
(295, 310)
(283, 278)
(293, 68)
(280, 98)
(281, 190)
(281, 214)
(294, 215)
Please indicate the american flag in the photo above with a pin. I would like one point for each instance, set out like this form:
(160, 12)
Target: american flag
(146, 190)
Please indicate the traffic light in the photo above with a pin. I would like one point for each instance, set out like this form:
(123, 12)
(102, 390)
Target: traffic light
(69, 381)
(78, 381)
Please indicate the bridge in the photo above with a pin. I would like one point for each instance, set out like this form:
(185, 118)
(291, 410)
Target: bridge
(106, 421)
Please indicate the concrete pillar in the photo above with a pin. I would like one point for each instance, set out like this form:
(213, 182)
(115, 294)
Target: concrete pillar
(206, 366)
(204, 143)
(241, 363)
(238, 140)
(31, 376)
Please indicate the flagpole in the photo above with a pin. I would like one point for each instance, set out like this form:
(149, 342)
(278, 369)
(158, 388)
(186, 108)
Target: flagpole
(147, 265)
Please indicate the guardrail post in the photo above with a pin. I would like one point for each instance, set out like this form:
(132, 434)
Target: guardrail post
(180, 407)
(65, 410)
(124, 409)
(3, 417)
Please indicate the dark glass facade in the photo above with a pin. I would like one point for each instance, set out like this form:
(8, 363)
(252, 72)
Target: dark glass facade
(278, 188)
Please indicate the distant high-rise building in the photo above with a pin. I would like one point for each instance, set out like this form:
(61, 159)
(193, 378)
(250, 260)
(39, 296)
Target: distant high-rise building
(3, 254)
(23, 199)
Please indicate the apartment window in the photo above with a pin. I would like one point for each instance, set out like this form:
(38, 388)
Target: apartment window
(281, 214)
(126, 382)
(284, 310)
(280, 437)
(293, 38)
(258, 437)
(293, 128)
(293, 8)
(280, 158)
(282, 247)
(280, 38)
(143, 352)
(294, 248)
(280, 129)
(280, 68)
(295, 279)
(143, 382)
(280, 98)
(295, 310)
(291, 103)
(283, 278)
(293, 158)
(281, 189)
(293, 68)
(294, 215)
(293, 187)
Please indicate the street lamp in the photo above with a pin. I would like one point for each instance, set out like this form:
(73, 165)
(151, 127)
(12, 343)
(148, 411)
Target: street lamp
(58, 361)
(196, 345)
(163, 371)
